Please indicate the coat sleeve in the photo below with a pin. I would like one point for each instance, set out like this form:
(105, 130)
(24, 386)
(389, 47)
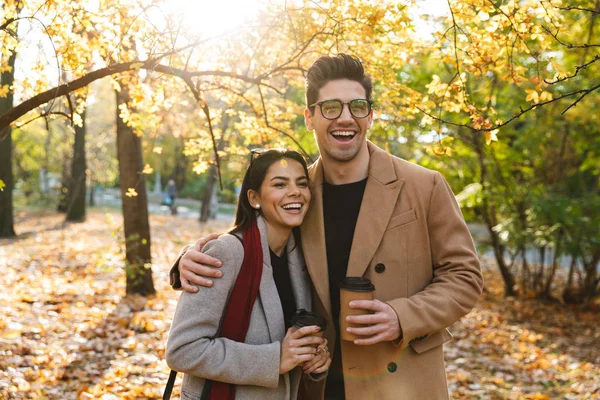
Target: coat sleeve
(192, 347)
(457, 281)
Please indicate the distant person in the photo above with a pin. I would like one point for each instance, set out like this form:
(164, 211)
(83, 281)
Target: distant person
(171, 195)
(376, 216)
(265, 282)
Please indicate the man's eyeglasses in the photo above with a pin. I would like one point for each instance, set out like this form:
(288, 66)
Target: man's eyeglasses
(332, 109)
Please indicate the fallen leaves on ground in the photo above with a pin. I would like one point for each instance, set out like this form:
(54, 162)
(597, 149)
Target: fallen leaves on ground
(69, 332)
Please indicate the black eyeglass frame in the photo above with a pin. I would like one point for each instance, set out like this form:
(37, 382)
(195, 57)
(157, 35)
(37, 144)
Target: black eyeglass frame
(320, 104)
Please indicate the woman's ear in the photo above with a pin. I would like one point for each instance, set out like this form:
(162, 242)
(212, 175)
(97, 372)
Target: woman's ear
(254, 199)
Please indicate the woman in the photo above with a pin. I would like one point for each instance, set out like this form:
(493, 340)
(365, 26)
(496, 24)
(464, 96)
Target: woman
(252, 355)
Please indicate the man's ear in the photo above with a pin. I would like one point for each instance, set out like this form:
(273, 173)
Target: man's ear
(253, 198)
(308, 119)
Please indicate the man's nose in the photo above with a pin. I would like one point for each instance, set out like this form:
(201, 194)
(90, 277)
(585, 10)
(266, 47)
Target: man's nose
(345, 116)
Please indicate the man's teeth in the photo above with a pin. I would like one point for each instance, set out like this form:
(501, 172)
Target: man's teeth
(343, 133)
(293, 206)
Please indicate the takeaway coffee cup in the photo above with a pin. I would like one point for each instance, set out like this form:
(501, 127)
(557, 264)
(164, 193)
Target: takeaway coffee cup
(304, 318)
(353, 288)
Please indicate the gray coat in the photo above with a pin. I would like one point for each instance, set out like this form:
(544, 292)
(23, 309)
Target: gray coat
(254, 365)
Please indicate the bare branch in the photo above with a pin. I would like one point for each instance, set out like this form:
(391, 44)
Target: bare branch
(43, 115)
(582, 93)
(570, 45)
(573, 8)
(577, 69)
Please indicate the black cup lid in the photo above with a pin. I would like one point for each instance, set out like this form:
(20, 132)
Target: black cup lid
(357, 284)
(306, 318)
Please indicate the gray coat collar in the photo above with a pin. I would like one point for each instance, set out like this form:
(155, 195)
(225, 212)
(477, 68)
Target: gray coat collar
(269, 297)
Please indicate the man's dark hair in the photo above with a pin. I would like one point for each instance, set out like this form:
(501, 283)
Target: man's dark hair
(329, 68)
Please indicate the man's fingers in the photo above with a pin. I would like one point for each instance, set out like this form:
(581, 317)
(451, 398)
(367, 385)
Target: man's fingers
(367, 331)
(374, 305)
(190, 277)
(199, 269)
(203, 240)
(367, 319)
(198, 257)
(186, 286)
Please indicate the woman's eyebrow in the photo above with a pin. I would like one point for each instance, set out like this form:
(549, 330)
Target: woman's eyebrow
(285, 178)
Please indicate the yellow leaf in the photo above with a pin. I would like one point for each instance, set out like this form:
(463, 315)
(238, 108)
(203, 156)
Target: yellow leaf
(4, 89)
(137, 65)
(544, 96)
(491, 136)
(157, 150)
(11, 335)
(147, 169)
(2, 185)
(131, 192)
(483, 16)
(532, 96)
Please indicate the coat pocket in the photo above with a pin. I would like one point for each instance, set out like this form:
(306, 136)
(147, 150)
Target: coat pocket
(402, 219)
(432, 341)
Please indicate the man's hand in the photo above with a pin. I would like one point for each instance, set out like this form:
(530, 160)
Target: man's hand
(196, 267)
(383, 323)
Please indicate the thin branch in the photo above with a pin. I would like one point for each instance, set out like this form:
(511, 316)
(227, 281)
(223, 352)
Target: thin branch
(573, 8)
(43, 115)
(577, 69)
(570, 45)
(582, 92)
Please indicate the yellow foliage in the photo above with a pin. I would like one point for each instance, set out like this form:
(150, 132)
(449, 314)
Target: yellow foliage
(131, 192)
(147, 169)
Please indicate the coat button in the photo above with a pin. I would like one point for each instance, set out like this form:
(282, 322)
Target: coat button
(392, 367)
(379, 268)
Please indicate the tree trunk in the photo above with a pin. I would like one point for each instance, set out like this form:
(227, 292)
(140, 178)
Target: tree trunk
(92, 200)
(489, 215)
(7, 229)
(205, 211)
(76, 209)
(135, 208)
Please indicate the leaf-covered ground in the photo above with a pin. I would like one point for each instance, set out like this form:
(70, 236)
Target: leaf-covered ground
(68, 332)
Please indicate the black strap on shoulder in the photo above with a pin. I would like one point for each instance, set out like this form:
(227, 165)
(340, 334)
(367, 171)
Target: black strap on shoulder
(170, 383)
(238, 238)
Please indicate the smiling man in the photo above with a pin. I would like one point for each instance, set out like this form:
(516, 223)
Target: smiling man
(383, 218)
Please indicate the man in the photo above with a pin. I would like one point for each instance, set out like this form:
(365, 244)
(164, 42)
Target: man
(377, 216)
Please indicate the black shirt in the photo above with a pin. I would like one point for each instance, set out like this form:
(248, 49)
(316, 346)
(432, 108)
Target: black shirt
(341, 205)
(281, 275)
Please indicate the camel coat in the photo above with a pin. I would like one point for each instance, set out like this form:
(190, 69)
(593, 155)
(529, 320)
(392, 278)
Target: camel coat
(254, 365)
(412, 242)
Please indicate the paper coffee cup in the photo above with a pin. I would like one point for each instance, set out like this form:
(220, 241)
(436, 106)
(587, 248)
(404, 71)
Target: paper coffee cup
(353, 288)
(304, 318)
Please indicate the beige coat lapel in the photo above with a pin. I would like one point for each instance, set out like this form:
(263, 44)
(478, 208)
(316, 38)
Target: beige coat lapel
(381, 195)
(313, 238)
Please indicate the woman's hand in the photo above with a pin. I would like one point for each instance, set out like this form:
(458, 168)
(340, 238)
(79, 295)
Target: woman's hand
(298, 347)
(321, 362)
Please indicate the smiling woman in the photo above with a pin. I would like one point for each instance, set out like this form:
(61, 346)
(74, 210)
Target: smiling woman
(215, 17)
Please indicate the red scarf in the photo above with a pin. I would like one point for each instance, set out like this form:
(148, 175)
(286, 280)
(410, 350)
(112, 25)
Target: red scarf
(236, 319)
